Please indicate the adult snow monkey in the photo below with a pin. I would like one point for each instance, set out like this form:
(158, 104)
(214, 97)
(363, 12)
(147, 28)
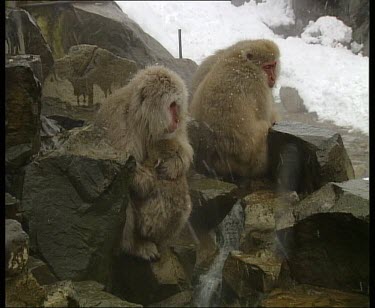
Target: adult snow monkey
(147, 119)
(233, 97)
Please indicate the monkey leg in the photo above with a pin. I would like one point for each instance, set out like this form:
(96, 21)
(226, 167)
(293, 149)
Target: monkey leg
(133, 244)
(143, 181)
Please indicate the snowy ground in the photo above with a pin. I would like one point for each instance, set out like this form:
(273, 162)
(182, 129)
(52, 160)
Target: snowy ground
(333, 82)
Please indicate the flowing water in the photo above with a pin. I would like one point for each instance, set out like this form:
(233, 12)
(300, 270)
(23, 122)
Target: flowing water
(208, 290)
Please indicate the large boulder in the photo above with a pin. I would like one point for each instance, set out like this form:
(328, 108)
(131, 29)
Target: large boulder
(23, 36)
(87, 75)
(105, 25)
(74, 202)
(325, 237)
(312, 156)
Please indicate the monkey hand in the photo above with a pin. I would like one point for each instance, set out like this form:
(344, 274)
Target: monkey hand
(167, 170)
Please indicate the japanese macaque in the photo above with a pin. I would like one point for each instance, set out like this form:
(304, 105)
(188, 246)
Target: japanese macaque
(233, 97)
(147, 119)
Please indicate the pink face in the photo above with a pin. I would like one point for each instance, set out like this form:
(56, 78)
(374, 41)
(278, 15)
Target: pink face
(174, 110)
(270, 69)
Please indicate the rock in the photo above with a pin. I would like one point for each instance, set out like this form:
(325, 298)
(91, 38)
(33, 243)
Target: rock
(74, 202)
(40, 271)
(291, 100)
(247, 276)
(322, 154)
(23, 36)
(87, 74)
(328, 244)
(310, 296)
(262, 211)
(23, 291)
(11, 206)
(92, 294)
(146, 282)
(22, 111)
(61, 294)
(16, 247)
(181, 299)
(105, 25)
(212, 200)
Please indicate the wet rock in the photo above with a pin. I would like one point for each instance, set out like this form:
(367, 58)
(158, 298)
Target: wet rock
(105, 25)
(181, 299)
(328, 249)
(212, 200)
(16, 247)
(322, 154)
(291, 100)
(311, 296)
(23, 291)
(146, 282)
(74, 202)
(23, 36)
(247, 276)
(328, 244)
(87, 74)
(22, 111)
(262, 211)
(40, 271)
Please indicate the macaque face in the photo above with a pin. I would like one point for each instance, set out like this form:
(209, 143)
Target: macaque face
(174, 111)
(270, 69)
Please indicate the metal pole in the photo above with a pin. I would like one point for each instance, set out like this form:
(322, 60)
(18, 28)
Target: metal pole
(179, 44)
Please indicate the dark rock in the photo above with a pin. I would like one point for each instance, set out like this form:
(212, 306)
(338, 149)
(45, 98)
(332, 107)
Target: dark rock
(87, 74)
(16, 247)
(212, 200)
(40, 271)
(22, 112)
(11, 207)
(311, 296)
(23, 291)
(106, 26)
(23, 36)
(147, 282)
(323, 156)
(66, 122)
(291, 100)
(74, 201)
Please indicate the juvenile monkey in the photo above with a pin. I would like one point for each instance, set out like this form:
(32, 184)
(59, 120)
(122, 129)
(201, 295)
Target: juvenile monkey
(234, 98)
(147, 119)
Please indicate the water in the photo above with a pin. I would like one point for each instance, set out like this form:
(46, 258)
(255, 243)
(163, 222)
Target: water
(229, 231)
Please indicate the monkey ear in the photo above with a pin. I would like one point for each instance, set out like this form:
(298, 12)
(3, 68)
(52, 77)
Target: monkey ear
(249, 56)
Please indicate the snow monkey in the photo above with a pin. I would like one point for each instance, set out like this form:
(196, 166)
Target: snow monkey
(147, 119)
(233, 97)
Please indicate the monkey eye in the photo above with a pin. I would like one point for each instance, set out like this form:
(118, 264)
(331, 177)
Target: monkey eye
(249, 56)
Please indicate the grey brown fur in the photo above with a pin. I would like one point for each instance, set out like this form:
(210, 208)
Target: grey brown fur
(233, 98)
(136, 119)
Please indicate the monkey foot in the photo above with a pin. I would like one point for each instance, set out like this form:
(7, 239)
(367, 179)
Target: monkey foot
(148, 251)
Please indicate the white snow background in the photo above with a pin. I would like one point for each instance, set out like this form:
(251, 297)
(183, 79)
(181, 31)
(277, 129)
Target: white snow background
(331, 80)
